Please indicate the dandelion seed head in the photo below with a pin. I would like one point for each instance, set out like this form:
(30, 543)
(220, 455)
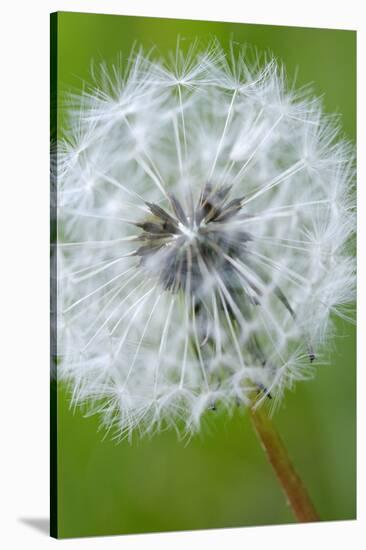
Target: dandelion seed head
(205, 213)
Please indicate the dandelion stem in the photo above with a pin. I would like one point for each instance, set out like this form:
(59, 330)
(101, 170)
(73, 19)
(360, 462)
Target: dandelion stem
(277, 455)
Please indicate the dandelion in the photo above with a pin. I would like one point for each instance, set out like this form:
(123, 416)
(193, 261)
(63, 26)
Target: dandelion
(205, 210)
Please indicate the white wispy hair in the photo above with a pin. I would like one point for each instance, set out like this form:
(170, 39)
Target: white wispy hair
(205, 210)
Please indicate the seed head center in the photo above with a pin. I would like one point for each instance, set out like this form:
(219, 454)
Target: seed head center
(191, 233)
(181, 247)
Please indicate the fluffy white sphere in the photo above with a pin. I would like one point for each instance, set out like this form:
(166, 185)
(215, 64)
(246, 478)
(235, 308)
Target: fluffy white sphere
(204, 211)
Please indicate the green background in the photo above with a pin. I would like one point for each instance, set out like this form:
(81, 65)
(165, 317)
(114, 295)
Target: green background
(221, 478)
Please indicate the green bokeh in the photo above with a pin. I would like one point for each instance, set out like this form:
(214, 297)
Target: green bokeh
(221, 478)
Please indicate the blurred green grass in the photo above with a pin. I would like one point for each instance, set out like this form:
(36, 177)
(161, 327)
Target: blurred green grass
(221, 478)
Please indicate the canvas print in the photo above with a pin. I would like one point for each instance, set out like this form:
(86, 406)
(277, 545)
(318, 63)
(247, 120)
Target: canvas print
(202, 275)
